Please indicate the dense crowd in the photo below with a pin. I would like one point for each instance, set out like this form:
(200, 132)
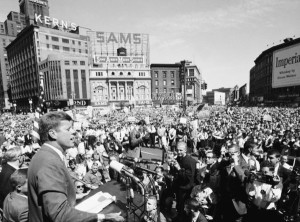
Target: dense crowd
(218, 163)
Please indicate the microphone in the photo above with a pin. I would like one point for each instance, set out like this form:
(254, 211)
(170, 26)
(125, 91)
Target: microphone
(129, 158)
(147, 170)
(120, 168)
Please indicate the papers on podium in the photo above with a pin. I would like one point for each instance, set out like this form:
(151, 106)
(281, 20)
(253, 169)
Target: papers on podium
(96, 203)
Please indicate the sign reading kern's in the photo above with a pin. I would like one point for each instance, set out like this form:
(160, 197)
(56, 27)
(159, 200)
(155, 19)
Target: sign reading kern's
(46, 20)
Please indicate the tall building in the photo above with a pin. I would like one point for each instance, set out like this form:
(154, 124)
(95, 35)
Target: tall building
(119, 69)
(31, 7)
(275, 78)
(165, 84)
(33, 45)
(5, 40)
(65, 78)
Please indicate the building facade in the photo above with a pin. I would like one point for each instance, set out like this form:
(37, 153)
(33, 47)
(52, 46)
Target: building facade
(165, 84)
(193, 85)
(31, 7)
(275, 78)
(66, 80)
(119, 69)
(33, 45)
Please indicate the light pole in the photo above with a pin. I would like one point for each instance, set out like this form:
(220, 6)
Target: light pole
(15, 106)
(30, 104)
(183, 64)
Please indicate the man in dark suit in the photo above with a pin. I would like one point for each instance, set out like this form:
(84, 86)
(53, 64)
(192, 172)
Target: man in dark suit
(233, 195)
(27, 138)
(15, 207)
(184, 170)
(51, 191)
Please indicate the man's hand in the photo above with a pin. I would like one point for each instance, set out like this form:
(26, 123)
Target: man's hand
(114, 217)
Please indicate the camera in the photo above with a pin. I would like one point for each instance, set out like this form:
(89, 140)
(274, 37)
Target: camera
(260, 177)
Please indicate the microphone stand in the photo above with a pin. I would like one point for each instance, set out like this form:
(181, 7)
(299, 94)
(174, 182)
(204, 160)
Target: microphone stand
(132, 208)
(155, 192)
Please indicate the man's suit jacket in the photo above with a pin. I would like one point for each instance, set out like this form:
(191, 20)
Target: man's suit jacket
(5, 186)
(15, 208)
(232, 180)
(51, 191)
(27, 139)
(2, 139)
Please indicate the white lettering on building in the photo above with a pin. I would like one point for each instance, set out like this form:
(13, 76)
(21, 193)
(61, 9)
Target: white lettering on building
(55, 22)
(39, 2)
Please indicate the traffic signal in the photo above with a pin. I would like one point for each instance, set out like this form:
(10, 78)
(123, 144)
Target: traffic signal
(205, 85)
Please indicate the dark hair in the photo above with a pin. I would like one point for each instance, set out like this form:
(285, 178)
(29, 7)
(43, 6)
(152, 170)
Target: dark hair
(72, 161)
(51, 121)
(272, 152)
(193, 204)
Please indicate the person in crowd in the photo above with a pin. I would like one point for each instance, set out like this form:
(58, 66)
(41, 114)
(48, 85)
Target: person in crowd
(12, 160)
(192, 212)
(80, 190)
(233, 197)
(184, 170)
(93, 177)
(153, 134)
(152, 211)
(27, 138)
(264, 192)
(15, 207)
(52, 196)
(2, 136)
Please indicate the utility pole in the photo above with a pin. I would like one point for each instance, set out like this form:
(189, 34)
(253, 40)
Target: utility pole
(183, 64)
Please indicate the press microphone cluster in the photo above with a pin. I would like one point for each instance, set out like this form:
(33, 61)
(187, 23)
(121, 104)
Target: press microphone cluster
(147, 170)
(122, 169)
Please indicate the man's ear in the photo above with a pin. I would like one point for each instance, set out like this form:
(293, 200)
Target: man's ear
(52, 134)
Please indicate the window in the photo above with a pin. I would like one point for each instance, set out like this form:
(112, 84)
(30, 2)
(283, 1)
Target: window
(55, 47)
(74, 62)
(172, 74)
(47, 37)
(142, 74)
(172, 91)
(113, 73)
(73, 41)
(156, 90)
(164, 74)
(99, 73)
(66, 49)
(54, 38)
(82, 63)
(79, 50)
(79, 43)
(191, 72)
(155, 74)
(165, 82)
(48, 46)
(129, 73)
(156, 82)
(121, 73)
(165, 90)
(67, 63)
(172, 82)
(65, 40)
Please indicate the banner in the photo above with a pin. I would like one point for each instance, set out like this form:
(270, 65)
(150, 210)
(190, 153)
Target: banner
(203, 114)
(183, 120)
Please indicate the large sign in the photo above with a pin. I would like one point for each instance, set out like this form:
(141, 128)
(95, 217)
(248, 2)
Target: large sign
(219, 98)
(136, 46)
(39, 2)
(286, 67)
(47, 20)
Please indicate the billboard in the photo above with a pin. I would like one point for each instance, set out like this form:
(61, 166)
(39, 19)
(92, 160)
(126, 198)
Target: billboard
(219, 98)
(103, 47)
(286, 67)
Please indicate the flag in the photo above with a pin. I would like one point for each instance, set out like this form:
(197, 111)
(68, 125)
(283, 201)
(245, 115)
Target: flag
(38, 112)
(200, 107)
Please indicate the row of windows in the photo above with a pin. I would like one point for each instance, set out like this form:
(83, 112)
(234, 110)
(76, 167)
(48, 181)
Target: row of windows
(56, 39)
(67, 63)
(165, 82)
(165, 91)
(164, 74)
(65, 49)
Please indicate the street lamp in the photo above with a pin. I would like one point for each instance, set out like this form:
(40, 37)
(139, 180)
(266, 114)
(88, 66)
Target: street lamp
(15, 106)
(183, 64)
(30, 104)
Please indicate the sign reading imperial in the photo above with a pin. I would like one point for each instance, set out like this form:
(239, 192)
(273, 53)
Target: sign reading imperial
(46, 20)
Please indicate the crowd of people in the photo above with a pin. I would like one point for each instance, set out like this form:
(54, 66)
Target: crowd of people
(235, 164)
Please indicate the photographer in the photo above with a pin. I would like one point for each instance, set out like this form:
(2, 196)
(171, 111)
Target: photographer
(263, 189)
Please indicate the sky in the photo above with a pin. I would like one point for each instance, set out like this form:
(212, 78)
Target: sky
(221, 37)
